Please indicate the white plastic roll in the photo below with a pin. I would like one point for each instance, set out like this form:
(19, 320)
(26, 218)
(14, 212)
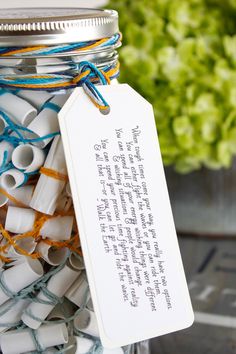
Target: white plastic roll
(49, 189)
(58, 228)
(86, 322)
(22, 194)
(46, 121)
(13, 315)
(58, 285)
(11, 179)
(20, 276)
(20, 110)
(8, 147)
(19, 220)
(28, 158)
(36, 98)
(76, 262)
(84, 345)
(17, 342)
(78, 291)
(2, 125)
(51, 255)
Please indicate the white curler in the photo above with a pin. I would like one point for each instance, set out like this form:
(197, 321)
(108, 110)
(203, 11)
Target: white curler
(78, 292)
(12, 179)
(21, 275)
(22, 341)
(52, 255)
(36, 98)
(48, 189)
(13, 313)
(22, 194)
(76, 262)
(86, 322)
(19, 220)
(46, 121)
(28, 158)
(5, 146)
(3, 125)
(58, 228)
(58, 285)
(21, 111)
(84, 345)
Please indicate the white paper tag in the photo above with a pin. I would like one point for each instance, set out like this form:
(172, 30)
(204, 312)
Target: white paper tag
(125, 221)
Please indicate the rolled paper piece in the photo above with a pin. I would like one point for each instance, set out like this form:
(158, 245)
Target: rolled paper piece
(86, 322)
(3, 200)
(90, 305)
(52, 255)
(5, 147)
(19, 220)
(70, 347)
(49, 189)
(58, 228)
(61, 311)
(68, 190)
(28, 158)
(58, 285)
(3, 125)
(50, 65)
(22, 194)
(27, 244)
(76, 261)
(64, 203)
(21, 111)
(46, 121)
(10, 62)
(20, 276)
(78, 291)
(37, 99)
(12, 179)
(13, 314)
(84, 345)
(22, 341)
(113, 351)
(9, 71)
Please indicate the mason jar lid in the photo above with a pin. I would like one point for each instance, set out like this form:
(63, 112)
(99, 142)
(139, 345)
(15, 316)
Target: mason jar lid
(49, 26)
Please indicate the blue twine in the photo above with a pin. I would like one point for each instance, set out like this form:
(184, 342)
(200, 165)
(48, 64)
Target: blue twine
(62, 48)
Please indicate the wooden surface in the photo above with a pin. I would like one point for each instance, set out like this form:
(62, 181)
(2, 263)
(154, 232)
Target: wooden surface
(203, 202)
(200, 261)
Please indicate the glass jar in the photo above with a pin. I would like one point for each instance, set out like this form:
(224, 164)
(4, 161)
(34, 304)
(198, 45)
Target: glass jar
(44, 54)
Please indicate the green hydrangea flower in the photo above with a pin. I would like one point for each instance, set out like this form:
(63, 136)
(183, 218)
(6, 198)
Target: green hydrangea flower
(181, 55)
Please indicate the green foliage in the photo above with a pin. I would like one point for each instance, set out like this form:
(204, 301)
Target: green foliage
(181, 55)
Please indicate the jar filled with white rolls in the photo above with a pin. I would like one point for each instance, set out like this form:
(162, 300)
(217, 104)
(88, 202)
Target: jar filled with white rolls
(45, 303)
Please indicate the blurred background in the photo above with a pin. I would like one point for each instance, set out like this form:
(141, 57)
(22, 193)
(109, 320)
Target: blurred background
(181, 56)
